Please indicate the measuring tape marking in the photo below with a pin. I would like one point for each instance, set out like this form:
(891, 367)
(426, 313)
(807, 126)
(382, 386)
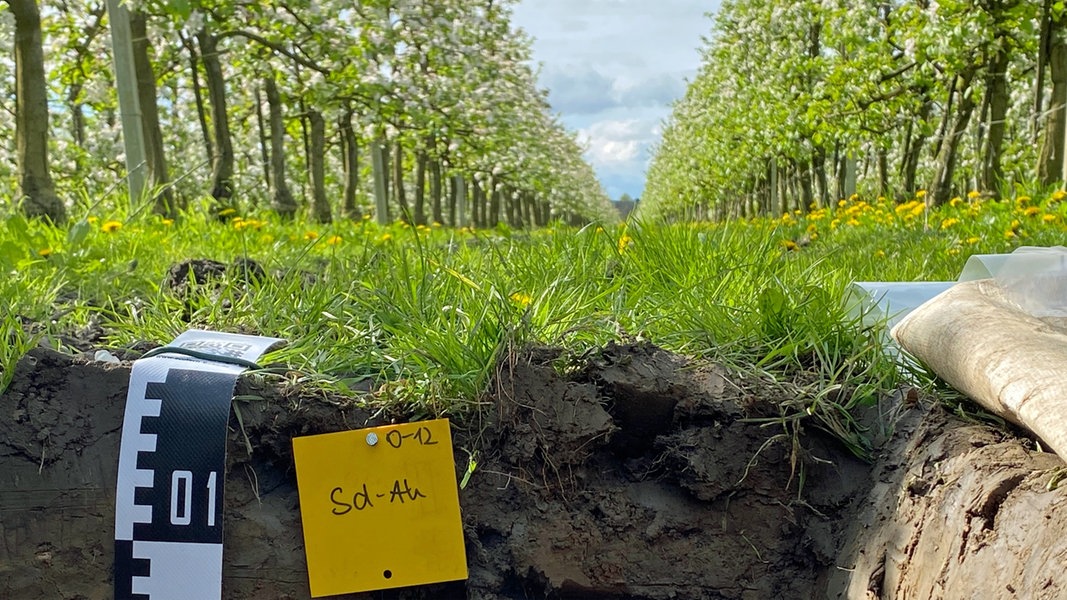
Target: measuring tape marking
(172, 466)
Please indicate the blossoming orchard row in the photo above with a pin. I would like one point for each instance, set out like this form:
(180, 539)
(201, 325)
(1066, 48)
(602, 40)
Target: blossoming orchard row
(806, 102)
(420, 111)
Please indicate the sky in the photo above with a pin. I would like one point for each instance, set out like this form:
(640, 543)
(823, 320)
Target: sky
(612, 68)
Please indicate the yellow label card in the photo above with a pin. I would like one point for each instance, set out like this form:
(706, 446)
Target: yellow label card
(380, 508)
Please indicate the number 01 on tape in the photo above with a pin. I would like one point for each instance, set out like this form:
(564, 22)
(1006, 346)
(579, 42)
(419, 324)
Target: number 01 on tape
(380, 508)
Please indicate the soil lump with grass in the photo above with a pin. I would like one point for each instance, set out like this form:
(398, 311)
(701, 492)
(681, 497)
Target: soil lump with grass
(628, 473)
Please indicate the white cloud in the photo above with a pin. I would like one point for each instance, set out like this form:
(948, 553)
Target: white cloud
(612, 68)
(613, 143)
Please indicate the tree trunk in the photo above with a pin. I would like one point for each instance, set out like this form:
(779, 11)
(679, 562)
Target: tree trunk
(940, 189)
(883, 171)
(435, 191)
(807, 195)
(461, 216)
(1042, 64)
(913, 149)
(264, 140)
(494, 204)
(1051, 160)
(198, 97)
(477, 204)
(379, 157)
(516, 212)
(453, 200)
(420, 187)
(282, 202)
(772, 186)
(818, 167)
(350, 159)
(31, 116)
(222, 169)
(848, 178)
(158, 178)
(997, 91)
(305, 137)
(398, 184)
(531, 209)
(320, 204)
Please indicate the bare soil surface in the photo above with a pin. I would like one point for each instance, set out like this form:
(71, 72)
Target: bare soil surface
(632, 473)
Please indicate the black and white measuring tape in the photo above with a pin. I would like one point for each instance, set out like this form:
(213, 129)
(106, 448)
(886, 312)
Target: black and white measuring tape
(172, 464)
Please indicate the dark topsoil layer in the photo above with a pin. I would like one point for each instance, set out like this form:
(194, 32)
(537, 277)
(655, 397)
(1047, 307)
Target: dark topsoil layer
(637, 475)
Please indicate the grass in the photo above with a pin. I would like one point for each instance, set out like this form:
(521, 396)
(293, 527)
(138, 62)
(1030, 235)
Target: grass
(421, 314)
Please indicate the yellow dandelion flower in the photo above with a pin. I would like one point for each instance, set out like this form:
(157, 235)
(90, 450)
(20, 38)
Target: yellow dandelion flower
(92, 220)
(974, 194)
(111, 226)
(920, 194)
(386, 237)
(167, 222)
(1009, 234)
(227, 212)
(624, 242)
(334, 240)
(1048, 218)
(521, 299)
(435, 225)
(974, 239)
(835, 223)
(879, 254)
(1032, 211)
(853, 222)
(1058, 195)
(366, 217)
(311, 235)
(44, 252)
(955, 202)
(953, 251)
(842, 203)
(790, 245)
(946, 223)
(1022, 200)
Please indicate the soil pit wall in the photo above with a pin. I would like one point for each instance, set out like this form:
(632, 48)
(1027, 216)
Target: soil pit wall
(637, 475)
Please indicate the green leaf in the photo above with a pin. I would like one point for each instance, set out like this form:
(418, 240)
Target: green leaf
(182, 8)
(11, 253)
(78, 232)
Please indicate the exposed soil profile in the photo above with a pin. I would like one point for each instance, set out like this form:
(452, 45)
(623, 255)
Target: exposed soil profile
(634, 474)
